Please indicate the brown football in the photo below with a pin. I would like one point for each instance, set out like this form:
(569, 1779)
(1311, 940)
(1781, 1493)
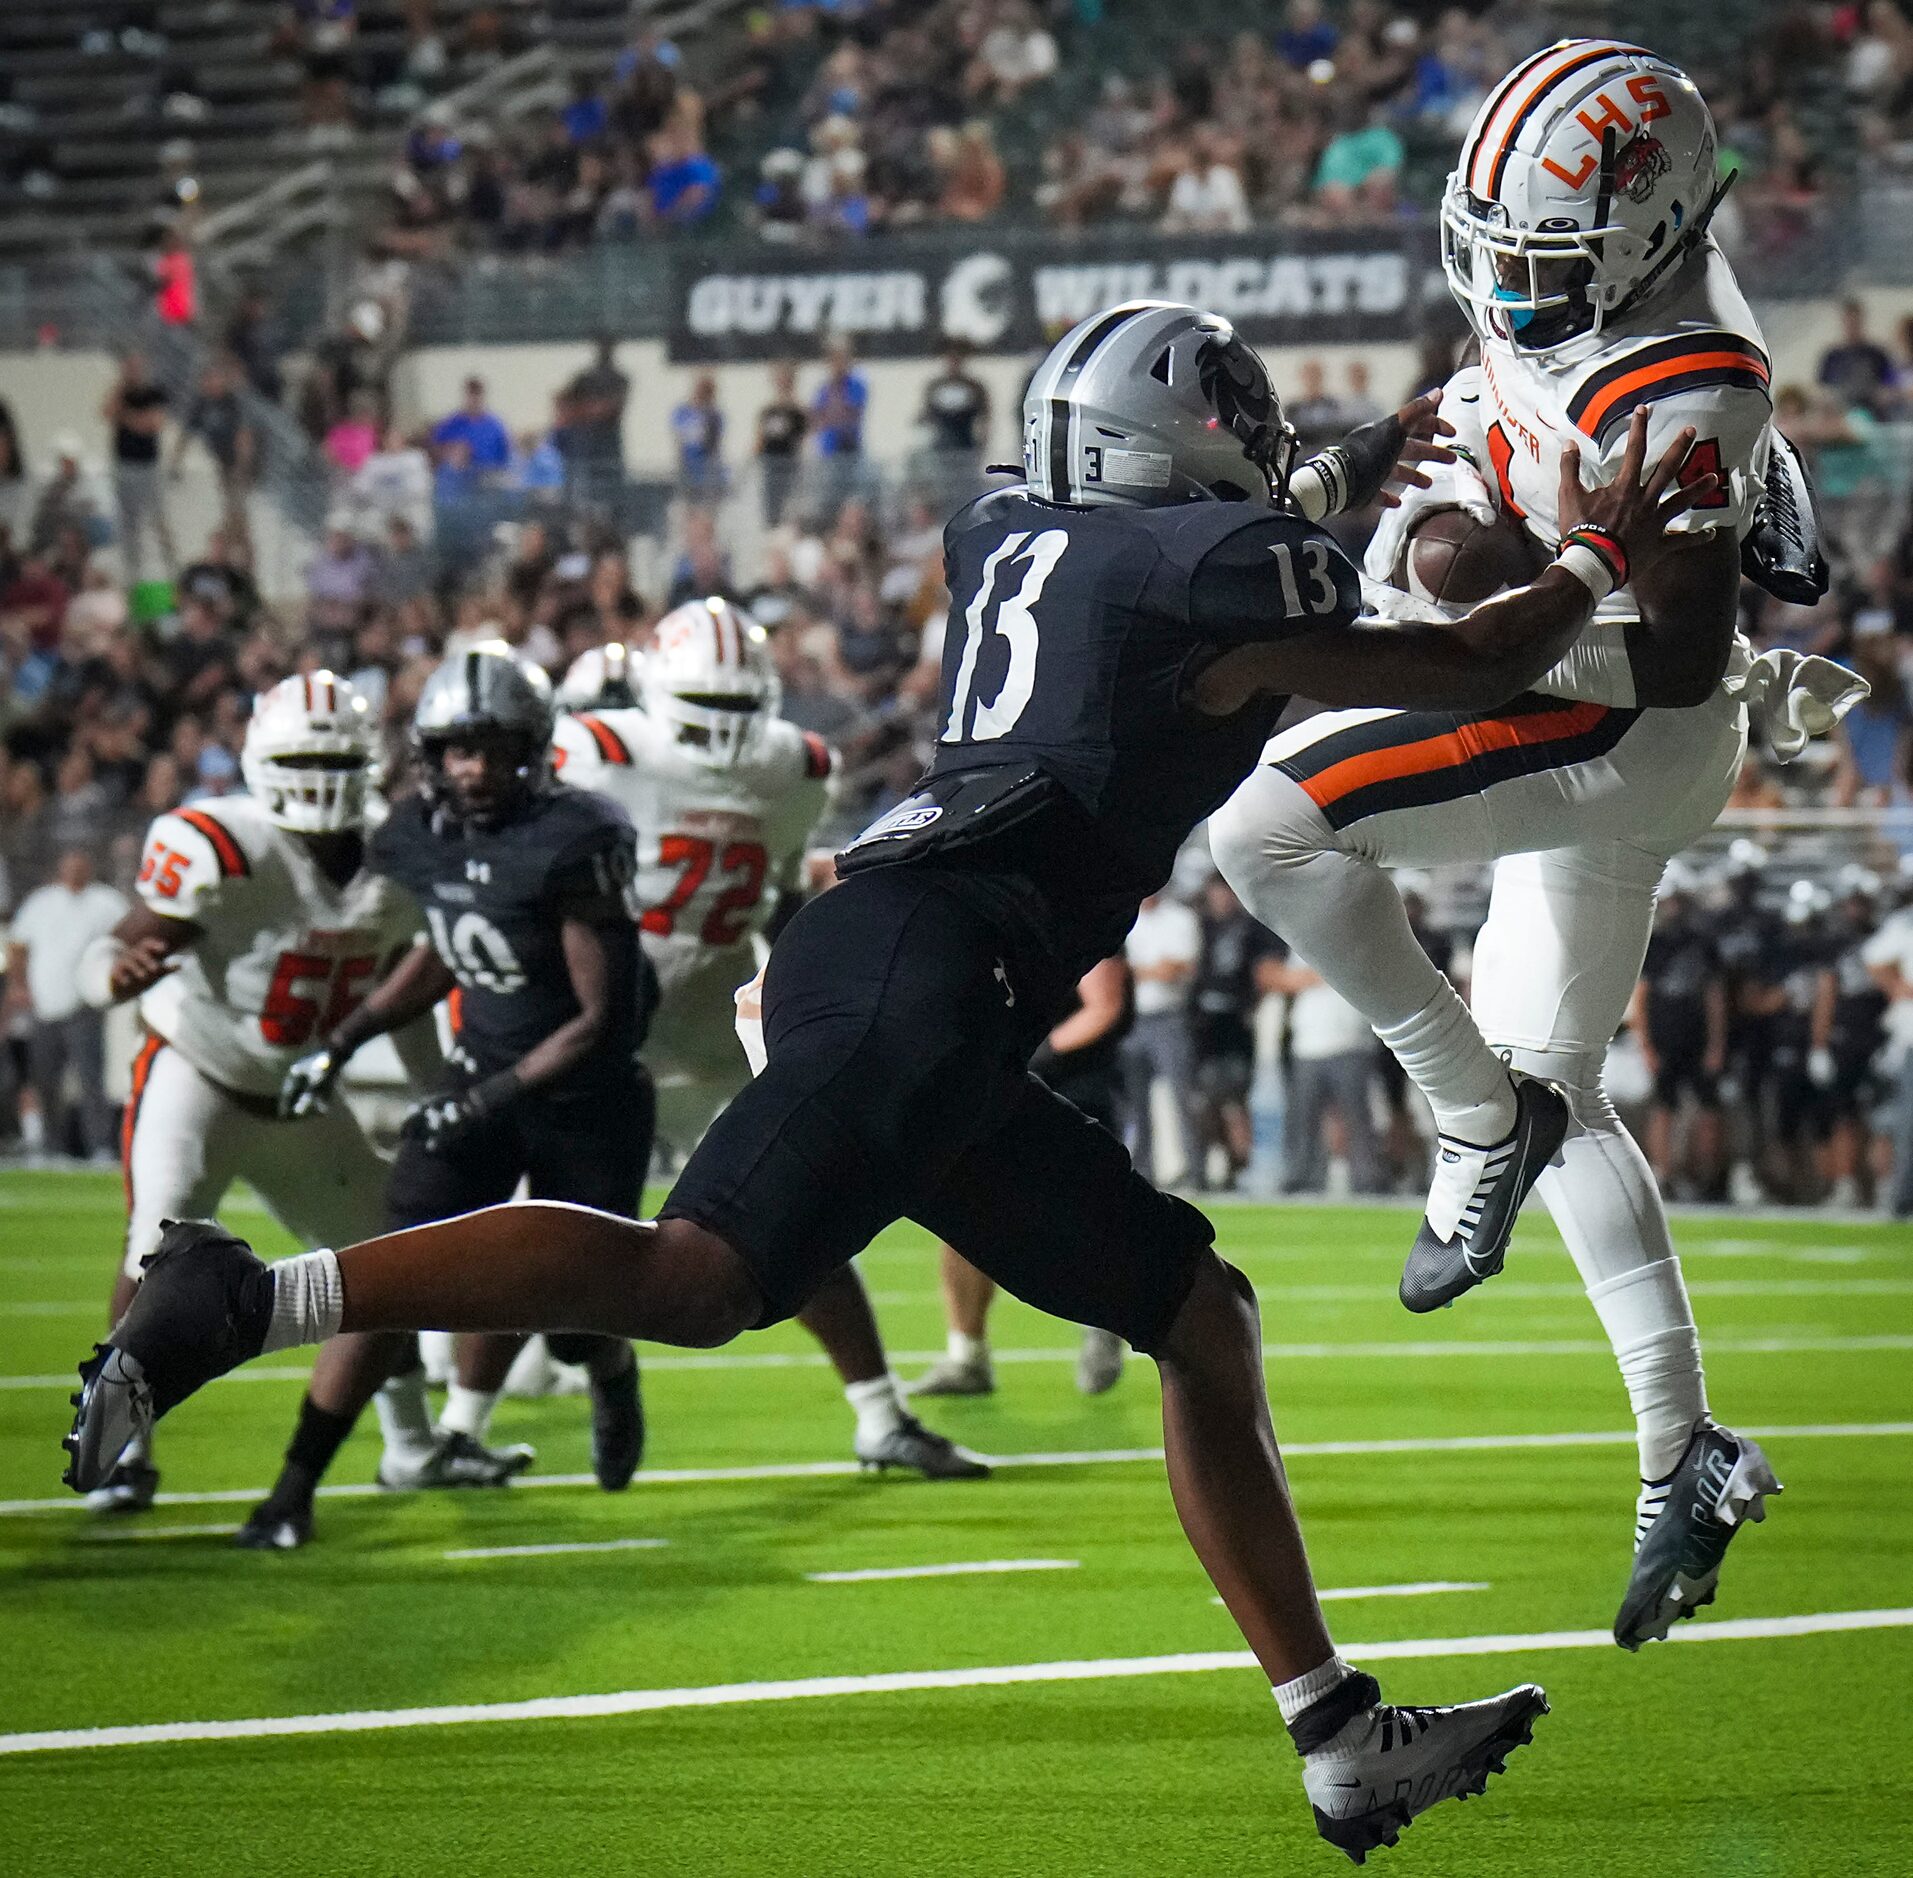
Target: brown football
(1452, 558)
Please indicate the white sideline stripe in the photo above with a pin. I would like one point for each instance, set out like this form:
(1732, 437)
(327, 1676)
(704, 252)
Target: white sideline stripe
(714, 1695)
(1387, 1350)
(1432, 1588)
(544, 1551)
(1090, 1457)
(961, 1569)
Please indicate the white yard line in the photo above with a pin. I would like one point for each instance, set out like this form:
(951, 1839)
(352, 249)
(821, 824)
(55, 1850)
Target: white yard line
(1385, 1350)
(963, 1568)
(547, 1551)
(1433, 1587)
(1090, 1457)
(714, 1695)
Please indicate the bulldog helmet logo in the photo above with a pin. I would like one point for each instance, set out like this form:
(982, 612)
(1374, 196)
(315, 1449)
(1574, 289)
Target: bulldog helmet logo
(1638, 166)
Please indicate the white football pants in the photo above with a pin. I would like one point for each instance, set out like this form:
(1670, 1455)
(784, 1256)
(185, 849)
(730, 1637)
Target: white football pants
(1579, 807)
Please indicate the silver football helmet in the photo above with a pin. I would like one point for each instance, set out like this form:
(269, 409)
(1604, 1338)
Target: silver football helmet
(485, 692)
(1152, 403)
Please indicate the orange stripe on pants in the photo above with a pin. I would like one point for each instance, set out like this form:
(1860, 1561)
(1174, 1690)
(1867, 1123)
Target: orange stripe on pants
(1452, 750)
(142, 1068)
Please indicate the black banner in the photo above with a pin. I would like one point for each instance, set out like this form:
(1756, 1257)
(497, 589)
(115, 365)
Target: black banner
(1302, 287)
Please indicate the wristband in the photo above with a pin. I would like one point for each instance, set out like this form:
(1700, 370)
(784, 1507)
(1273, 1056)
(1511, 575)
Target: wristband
(1589, 566)
(1605, 542)
(1312, 488)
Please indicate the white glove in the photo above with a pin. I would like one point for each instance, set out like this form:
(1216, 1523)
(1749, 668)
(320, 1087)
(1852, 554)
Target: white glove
(1791, 696)
(749, 1000)
(1820, 1068)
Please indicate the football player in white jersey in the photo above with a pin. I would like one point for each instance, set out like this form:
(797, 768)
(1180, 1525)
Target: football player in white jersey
(1575, 235)
(257, 929)
(724, 795)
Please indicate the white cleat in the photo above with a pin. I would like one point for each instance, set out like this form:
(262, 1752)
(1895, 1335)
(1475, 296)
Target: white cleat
(1402, 1761)
(956, 1375)
(1099, 1363)
(454, 1460)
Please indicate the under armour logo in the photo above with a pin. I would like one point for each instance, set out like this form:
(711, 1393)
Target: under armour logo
(1001, 974)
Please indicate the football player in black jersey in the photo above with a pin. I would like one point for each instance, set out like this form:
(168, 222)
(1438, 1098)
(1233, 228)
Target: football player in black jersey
(524, 888)
(1124, 631)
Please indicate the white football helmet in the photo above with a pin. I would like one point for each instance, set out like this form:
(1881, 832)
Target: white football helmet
(309, 753)
(601, 678)
(1586, 177)
(709, 676)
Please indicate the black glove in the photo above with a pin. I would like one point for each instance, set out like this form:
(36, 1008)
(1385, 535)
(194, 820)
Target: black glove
(443, 1120)
(307, 1089)
(1354, 471)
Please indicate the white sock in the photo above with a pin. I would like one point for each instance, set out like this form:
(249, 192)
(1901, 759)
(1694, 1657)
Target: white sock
(405, 1419)
(308, 1299)
(1305, 1691)
(964, 1348)
(1651, 1326)
(467, 1411)
(1466, 1084)
(877, 1406)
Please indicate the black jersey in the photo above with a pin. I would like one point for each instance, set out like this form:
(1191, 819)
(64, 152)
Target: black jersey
(1070, 767)
(496, 900)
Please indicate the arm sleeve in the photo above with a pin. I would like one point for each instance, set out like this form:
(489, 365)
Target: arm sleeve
(1270, 577)
(1732, 434)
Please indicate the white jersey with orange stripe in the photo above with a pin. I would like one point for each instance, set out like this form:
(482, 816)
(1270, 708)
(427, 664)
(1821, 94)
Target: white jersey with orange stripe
(716, 842)
(1693, 356)
(283, 952)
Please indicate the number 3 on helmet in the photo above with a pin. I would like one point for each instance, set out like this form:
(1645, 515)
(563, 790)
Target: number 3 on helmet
(1588, 174)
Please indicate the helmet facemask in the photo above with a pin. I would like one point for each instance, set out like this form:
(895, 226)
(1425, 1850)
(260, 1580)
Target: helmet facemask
(312, 792)
(715, 727)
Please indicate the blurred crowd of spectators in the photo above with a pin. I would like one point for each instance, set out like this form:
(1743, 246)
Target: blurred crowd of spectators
(832, 121)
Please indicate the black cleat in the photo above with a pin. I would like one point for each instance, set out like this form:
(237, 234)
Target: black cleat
(203, 1307)
(911, 1445)
(129, 1488)
(1684, 1525)
(1475, 1196)
(272, 1527)
(1406, 1760)
(617, 1428)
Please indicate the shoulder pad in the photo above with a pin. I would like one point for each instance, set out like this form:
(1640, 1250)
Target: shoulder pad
(191, 858)
(1653, 370)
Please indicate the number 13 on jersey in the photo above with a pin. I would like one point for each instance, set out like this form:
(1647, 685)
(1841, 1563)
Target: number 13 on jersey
(1015, 624)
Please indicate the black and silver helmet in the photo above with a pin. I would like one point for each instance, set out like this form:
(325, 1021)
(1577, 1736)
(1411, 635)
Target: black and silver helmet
(1152, 403)
(485, 692)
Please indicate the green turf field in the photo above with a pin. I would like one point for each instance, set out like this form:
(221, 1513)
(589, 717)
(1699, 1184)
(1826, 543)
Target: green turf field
(1754, 1755)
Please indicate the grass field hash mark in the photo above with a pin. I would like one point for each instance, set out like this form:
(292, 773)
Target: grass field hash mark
(961, 1568)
